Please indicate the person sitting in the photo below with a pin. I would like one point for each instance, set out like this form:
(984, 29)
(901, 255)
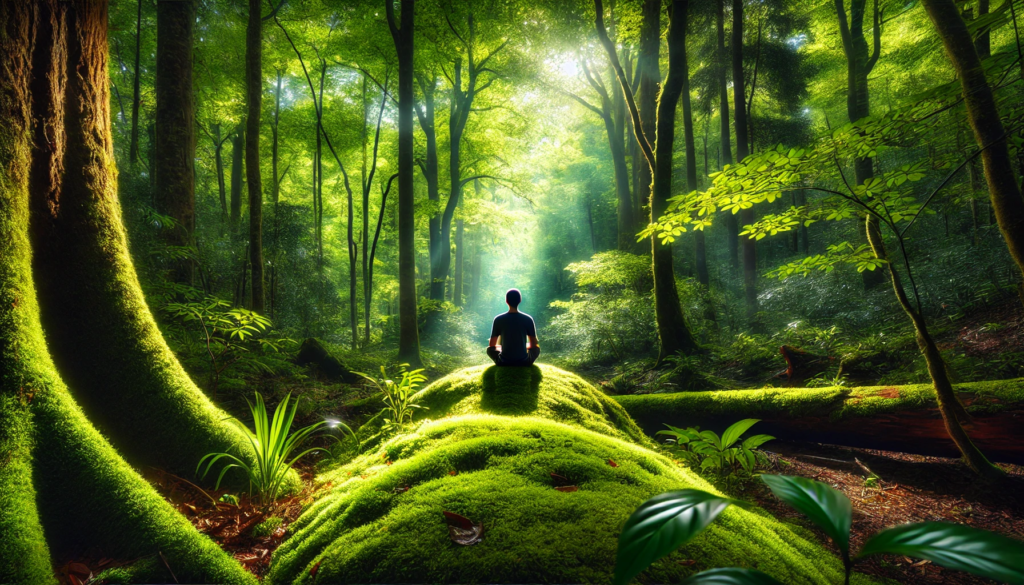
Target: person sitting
(518, 333)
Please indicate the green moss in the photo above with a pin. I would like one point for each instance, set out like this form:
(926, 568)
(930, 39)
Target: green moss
(497, 436)
(683, 408)
(267, 527)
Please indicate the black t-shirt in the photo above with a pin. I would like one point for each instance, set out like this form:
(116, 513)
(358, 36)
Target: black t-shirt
(513, 329)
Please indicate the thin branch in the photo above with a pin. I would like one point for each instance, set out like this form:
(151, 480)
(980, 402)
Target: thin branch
(480, 65)
(273, 13)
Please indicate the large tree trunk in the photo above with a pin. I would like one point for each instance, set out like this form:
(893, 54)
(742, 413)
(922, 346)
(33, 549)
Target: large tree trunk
(746, 216)
(409, 337)
(133, 148)
(732, 224)
(47, 442)
(175, 148)
(254, 101)
(628, 222)
(691, 164)
(897, 418)
(649, 76)
(1004, 192)
(218, 158)
(99, 328)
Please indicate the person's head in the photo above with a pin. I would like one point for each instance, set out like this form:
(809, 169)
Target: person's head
(513, 297)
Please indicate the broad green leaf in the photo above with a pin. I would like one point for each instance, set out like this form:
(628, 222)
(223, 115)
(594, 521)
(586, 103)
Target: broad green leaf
(828, 508)
(756, 441)
(732, 434)
(731, 576)
(661, 525)
(954, 546)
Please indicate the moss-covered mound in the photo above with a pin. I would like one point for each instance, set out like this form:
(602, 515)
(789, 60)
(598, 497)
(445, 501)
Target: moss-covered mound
(497, 437)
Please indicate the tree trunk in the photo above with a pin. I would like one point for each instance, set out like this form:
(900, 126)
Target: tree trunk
(175, 148)
(672, 327)
(902, 418)
(237, 156)
(649, 76)
(805, 244)
(133, 149)
(430, 172)
(218, 158)
(46, 440)
(275, 158)
(746, 216)
(254, 100)
(982, 112)
(691, 166)
(627, 219)
(99, 328)
(409, 339)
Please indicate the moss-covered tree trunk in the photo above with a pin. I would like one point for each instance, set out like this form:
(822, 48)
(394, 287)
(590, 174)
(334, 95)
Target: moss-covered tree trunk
(175, 149)
(402, 33)
(62, 486)
(99, 328)
(983, 114)
(254, 103)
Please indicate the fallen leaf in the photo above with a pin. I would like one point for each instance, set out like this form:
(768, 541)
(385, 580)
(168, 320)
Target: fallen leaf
(73, 579)
(465, 537)
(567, 488)
(316, 567)
(453, 472)
(454, 519)
(612, 463)
(79, 569)
(401, 489)
(688, 563)
(560, 480)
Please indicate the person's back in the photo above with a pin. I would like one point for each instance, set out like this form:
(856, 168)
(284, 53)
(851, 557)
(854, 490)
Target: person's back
(518, 334)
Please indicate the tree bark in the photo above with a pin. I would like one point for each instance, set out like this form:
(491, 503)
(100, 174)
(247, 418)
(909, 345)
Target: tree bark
(983, 114)
(218, 158)
(409, 339)
(275, 155)
(746, 216)
(133, 149)
(254, 101)
(175, 149)
(691, 165)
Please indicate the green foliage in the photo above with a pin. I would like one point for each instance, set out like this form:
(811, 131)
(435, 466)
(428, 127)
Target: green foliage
(267, 526)
(273, 442)
(723, 456)
(611, 316)
(397, 396)
(661, 525)
(667, 521)
(228, 336)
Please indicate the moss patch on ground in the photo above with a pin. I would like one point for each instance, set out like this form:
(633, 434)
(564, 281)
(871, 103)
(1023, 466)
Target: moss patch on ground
(495, 437)
(838, 403)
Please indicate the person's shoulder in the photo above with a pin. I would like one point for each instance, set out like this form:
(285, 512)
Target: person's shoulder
(526, 316)
(500, 316)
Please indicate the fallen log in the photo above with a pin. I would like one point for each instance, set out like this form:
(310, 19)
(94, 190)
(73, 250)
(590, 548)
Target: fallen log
(312, 352)
(895, 418)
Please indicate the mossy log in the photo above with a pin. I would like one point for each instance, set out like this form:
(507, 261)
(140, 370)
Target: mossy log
(485, 449)
(897, 418)
(63, 487)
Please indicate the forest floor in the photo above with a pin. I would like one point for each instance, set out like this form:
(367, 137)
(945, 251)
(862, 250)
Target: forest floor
(909, 488)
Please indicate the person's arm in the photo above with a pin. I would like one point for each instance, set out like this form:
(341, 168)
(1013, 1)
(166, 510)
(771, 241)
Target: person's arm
(531, 335)
(495, 333)
(493, 342)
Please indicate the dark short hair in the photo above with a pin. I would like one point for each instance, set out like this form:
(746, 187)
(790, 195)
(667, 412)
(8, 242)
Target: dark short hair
(513, 297)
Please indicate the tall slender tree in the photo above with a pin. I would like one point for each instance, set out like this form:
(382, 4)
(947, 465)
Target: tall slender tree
(673, 331)
(133, 148)
(739, 98)
(254, 103)
(732, 224)
(402, 32)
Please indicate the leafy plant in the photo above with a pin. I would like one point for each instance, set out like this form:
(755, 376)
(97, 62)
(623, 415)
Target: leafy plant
(273, 445)
(228, 334)
(723, 456)
(397, 396)
(667, 521)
